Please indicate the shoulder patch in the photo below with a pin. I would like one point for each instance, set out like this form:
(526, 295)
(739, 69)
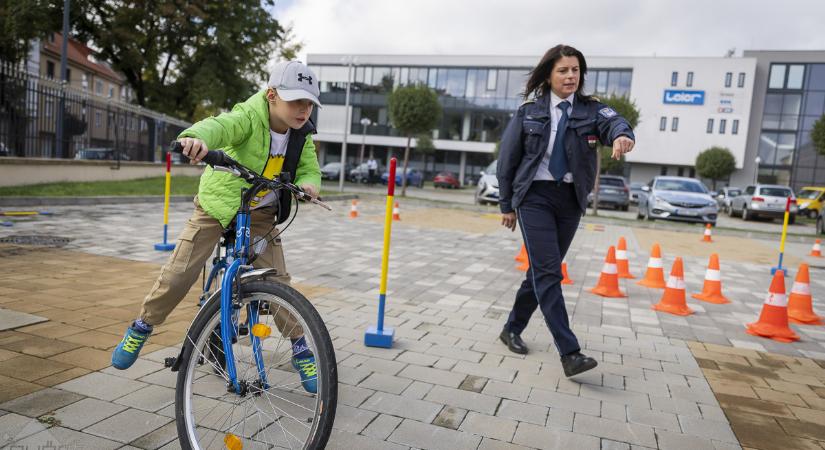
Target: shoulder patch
(527, 102)
(607, 112)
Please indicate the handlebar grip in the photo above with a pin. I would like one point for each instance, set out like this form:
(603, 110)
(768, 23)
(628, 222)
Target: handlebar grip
(213, 157)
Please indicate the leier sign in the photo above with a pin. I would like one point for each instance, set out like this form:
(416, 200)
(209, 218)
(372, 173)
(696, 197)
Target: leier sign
(674, 97)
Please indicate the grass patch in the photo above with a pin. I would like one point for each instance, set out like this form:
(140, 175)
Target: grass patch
(181, 185)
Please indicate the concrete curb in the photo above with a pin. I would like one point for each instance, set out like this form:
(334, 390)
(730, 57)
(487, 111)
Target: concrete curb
(115, 199)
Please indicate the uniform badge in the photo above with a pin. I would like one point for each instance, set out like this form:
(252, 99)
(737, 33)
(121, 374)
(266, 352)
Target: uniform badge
(607, 112)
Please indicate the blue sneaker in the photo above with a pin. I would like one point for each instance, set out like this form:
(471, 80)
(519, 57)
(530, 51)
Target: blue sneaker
(309, 373)
(126, 353)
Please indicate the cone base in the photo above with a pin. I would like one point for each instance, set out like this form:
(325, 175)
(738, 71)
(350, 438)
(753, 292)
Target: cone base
(806, 320)
(777, 333)
(816, 255)
(717, 299)
(566, 281)
(652, 283)
(608, 292)
(523, 267)
(626, 275)
(672, 309)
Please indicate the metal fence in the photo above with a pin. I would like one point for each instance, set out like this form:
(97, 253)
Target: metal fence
(94, 127)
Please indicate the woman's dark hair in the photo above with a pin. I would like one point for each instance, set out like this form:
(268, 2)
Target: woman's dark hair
(537, 82)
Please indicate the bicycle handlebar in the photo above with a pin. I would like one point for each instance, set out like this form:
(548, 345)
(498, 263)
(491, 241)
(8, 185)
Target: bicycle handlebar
(219, 159)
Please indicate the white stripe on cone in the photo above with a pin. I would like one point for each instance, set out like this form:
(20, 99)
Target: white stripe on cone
(655, 263)
(801, 288)
(780, 300)
(676, 283)
(621, 254)
(609, 269)
(713, 275)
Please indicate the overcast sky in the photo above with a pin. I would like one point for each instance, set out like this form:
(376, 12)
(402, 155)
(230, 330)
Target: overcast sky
(529, 27)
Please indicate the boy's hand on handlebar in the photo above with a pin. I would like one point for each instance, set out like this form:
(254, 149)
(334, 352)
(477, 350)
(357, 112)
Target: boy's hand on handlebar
(194, 149)
(309, 190)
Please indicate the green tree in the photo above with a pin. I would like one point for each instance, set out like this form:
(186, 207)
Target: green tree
(185, 57)
(22, 21)
(605, 163)
(413, 110)
(424, 145)
(818, 135)
(716, 163)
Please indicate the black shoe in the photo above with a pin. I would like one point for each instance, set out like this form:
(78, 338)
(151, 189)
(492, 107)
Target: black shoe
(513, 342)
(576, 363)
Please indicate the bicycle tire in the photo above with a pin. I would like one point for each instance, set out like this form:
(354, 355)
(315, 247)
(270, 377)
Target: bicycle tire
(317, 336)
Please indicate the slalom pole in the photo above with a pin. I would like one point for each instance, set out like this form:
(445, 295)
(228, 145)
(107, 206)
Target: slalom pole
(164, 246)
(782, 242)
(379, 336)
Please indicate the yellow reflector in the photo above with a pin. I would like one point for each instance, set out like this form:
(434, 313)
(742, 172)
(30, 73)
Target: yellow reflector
(261, 331)
(232, 442)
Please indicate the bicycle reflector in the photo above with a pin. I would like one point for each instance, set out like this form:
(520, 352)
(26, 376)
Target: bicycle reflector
(232, 442)
(260, 330)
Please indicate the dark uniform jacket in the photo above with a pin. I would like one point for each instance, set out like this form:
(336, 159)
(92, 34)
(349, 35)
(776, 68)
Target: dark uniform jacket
(526, 137)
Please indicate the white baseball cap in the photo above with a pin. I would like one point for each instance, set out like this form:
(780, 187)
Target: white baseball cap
(295, 81)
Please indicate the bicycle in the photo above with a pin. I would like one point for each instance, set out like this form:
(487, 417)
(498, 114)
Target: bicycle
(237, 393)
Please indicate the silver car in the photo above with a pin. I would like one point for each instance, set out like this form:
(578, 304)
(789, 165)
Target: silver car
(764, 200)
(677, 198)
(725, 196)
(487, 188)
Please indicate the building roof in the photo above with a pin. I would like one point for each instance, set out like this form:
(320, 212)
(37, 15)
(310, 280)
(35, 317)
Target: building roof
(78, 53)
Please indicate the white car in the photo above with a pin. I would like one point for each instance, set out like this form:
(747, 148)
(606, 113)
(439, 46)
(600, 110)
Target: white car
(764, 200)
(487, 189)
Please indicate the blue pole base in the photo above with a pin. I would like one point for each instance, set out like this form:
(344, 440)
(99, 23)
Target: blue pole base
(783, 269)
(7, 224)
(164, 247)
(375, 338)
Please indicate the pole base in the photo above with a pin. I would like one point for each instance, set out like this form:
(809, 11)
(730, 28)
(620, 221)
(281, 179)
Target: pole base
(783, 269)
(375, 338)
(164, 247)
(7, 224)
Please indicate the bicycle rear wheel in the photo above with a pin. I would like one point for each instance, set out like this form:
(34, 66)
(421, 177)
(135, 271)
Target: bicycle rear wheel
(281, 414)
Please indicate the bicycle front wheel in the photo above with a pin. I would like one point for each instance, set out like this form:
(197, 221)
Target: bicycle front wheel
(280, 412)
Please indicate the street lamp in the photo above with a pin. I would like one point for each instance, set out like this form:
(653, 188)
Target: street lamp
(758, 161)
(365, 122)
(350, 61)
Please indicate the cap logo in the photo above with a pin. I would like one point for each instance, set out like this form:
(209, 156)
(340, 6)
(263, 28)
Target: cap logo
(301, 77)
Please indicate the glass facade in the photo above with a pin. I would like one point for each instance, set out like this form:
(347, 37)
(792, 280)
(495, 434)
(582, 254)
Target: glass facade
(794, 101)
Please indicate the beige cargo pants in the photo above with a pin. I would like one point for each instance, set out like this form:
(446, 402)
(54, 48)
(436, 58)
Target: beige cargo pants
(196, 244)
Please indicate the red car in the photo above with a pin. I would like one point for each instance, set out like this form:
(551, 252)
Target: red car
(446, 180)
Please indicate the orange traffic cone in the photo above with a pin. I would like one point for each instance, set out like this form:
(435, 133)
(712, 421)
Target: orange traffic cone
(621, 260)
(396, 213)
(712, 290)
(773, 321)
(655, 276)
(353, 210)
(673, 300)
(522, 254)
(608, 285)
(800, 303)
(524, 265)
(566, 279)
(816, 250)
(707, 237)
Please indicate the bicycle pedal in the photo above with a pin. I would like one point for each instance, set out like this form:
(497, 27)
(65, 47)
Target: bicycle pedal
(169, 362)
(243, 330)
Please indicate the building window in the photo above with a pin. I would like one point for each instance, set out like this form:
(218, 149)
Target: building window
(50, 70)
(51, 38)
(734, 127)
(674, 78)
(785, 76)
(663, 170)
(795, 75)
(710, 126)
(777, 77)
(99, 87)
(680, 172)
(674, 124)
(689, 81)
(663, 123)
(84, 81)
(722, 125)
(728, 79)
(492, 79)
(692, 172)
(68, 75)
(97, 119)
(111, 91)
(741, 82)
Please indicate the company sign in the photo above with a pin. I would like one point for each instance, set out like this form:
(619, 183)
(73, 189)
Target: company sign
(684, 97)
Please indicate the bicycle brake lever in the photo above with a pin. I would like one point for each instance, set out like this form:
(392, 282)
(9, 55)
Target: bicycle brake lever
(231, 170)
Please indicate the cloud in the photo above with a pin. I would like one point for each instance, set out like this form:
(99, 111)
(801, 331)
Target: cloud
(529, 27)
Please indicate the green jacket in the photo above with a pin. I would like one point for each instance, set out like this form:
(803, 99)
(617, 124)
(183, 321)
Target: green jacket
(243, 134)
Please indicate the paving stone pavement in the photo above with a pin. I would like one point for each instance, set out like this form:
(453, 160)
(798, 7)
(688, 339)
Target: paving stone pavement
(447, 382)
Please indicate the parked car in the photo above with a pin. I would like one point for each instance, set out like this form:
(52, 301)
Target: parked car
(487, 188)
(447, 180)
(764, 200)
(100, 154)
(332, 171)
(635, 192)
(613, 191)
(677, 198)
(414, 178)
(811, 200)
(820, 224)
(724, 197)
(360, 173)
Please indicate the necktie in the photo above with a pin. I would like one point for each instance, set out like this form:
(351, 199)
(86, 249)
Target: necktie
(558, 158)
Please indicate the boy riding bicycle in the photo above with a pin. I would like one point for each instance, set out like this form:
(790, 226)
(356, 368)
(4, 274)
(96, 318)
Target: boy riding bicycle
(270, 133)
